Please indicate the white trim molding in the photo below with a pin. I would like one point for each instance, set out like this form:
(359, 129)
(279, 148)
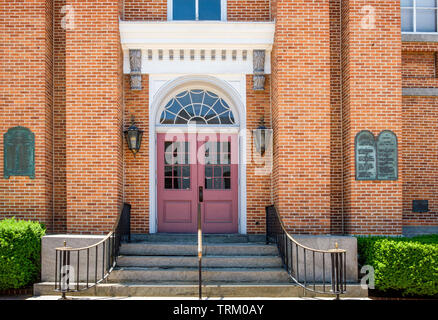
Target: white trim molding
(192, 34)
(419, 37)
(230, 87)
(195, 47)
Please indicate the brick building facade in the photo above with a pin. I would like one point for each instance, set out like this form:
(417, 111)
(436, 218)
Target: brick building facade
(331, 70)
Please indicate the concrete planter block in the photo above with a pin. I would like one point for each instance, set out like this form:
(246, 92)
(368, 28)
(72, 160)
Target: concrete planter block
(324, 243)
(50, 242)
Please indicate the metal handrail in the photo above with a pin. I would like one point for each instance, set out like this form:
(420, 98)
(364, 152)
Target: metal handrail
(69, 280)
(289, 250)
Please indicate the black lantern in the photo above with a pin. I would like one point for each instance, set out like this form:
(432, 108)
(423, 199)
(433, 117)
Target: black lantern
(133, 136)
(262, 138)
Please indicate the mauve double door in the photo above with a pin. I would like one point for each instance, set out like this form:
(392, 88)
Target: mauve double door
(187, 161)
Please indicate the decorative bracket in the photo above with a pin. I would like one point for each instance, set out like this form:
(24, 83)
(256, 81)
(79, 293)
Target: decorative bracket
(259, 69)
(135, 63)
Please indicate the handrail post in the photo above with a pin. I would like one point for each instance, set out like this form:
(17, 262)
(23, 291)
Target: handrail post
(338, 272)
(128, 218)
(64, 276)
(200, 243)
(267, 224)
(199, 252)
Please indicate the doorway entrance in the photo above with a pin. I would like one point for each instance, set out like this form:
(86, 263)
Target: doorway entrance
(190, 163)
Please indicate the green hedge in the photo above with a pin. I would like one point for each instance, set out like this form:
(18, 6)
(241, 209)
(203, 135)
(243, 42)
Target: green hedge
(20, 249)
(406, 265)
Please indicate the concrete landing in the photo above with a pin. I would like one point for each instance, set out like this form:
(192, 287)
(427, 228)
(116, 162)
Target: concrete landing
(207, 238)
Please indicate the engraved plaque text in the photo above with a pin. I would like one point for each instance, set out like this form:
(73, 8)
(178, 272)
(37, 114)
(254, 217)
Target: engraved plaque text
(387, 156)
(365, 154)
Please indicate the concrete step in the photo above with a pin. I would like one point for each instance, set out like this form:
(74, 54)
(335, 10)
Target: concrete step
(207, 261)
(255, 275)
(190, 249)
(213, 290)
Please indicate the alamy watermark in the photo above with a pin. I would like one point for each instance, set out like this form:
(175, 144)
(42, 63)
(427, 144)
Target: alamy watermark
(368, 21)
(217, 146)
(368, 280)
(68, 19)
(67, 280)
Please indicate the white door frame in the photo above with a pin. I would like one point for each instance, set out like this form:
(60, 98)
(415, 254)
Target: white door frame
(161, 89)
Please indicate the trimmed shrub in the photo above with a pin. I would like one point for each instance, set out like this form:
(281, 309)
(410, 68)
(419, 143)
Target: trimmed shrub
(20, 250)
(407, 265)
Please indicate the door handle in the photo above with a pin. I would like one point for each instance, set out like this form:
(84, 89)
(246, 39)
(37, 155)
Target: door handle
(201, 194)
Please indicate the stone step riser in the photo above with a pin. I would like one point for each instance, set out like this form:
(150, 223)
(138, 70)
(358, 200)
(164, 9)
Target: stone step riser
(207, 262)
(213, 291)
(243, 275)
(191, 250)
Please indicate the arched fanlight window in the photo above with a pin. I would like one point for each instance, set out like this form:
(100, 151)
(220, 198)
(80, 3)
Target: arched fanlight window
(199, 107)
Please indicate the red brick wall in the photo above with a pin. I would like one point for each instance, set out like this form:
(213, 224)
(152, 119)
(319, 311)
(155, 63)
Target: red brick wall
(420, 118)
(336, 189)
(59, 161)
(48, 113)
(77, 122)
(61, 15)
(26, 100)
(258, 169)
(418, 65)
(93, 117)
(248, 10)
(154, 10)
(372, 101)
(136, 185)
(301, 115)
(420, 153)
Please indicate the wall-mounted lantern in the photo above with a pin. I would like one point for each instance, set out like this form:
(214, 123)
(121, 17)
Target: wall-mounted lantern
(262, 138)
(133, 137)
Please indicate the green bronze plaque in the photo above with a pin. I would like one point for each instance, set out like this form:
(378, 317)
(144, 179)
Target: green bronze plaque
(387, 156)
(365, 156)
(19, 152)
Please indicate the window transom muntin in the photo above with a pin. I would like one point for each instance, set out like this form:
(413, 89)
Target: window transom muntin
(197, 106)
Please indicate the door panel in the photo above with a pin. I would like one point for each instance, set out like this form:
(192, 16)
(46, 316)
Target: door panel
(186, 162)
(218, 173)
(176, 183)
(177, 211)
(218, 211)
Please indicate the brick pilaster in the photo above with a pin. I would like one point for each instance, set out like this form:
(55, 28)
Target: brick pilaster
(301, 115)
(372, 101)
(93, 116)
(26, 100)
